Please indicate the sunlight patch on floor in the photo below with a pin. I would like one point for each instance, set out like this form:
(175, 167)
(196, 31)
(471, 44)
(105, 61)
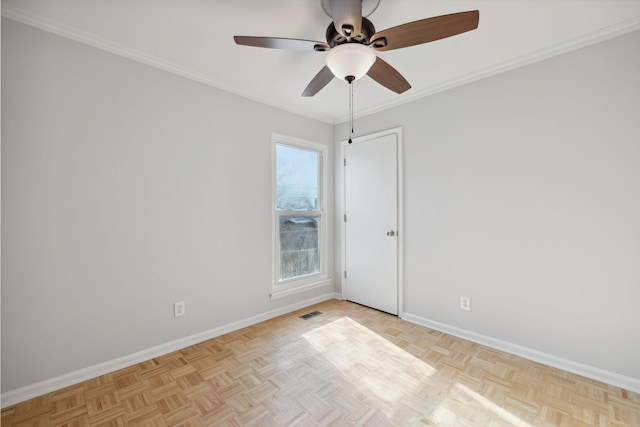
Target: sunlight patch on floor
(371, 362)
(403, 387)
(489, 405)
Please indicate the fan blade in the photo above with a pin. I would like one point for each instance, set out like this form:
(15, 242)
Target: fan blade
(318, 82)
(425, 30)
(281, 43)
(388, 76)
(347, 16)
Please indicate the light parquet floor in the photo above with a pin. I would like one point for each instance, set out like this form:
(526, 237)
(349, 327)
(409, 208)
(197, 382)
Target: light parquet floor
(349, 366)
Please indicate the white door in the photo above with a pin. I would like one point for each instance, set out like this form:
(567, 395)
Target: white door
(371, 222)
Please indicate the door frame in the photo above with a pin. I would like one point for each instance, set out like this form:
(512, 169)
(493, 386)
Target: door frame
(400, 208)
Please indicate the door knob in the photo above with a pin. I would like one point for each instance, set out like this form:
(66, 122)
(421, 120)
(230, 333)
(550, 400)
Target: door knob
(391, 233)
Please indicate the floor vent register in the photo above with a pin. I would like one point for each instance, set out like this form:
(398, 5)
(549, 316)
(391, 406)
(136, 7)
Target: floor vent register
(310, 315)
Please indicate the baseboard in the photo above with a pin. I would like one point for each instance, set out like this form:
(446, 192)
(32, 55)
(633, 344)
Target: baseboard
(30, 391)
(608, 377)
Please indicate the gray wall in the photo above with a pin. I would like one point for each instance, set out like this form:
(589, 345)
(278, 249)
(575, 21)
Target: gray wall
(522, 191)
(124, 189)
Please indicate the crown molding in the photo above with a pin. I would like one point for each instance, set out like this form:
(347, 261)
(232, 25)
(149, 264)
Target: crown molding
(517, 62)
(19, 15)
(16, 14)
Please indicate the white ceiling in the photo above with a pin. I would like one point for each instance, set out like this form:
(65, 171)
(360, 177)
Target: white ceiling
(194, 38)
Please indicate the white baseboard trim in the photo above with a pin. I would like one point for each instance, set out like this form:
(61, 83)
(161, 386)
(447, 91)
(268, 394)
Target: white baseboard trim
(608, 377)
(21, 394)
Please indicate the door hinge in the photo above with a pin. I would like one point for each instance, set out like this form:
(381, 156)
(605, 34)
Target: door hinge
(345, 274)
(345, 162)
(345, 217)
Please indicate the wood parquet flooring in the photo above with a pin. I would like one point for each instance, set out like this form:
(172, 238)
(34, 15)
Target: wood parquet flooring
(349, 366)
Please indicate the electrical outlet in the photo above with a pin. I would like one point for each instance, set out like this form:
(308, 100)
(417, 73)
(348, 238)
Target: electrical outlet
(178, 309)
(465, 303)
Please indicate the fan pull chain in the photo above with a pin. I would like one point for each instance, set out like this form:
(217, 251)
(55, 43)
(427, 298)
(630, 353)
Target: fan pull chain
(350, 110)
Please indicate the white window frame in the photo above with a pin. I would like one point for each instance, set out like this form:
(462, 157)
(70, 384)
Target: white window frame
(282, 288)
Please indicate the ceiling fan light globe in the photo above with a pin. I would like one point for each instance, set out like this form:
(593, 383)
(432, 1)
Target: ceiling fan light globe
(350, 59)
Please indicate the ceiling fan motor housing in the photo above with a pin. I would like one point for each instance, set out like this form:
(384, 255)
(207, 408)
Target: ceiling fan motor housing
(334, 38)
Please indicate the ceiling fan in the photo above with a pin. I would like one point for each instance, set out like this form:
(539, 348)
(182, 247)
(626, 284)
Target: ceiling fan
(352, 41)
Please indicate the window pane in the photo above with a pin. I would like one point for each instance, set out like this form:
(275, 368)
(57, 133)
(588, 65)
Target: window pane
(299, 251)
(296, 178)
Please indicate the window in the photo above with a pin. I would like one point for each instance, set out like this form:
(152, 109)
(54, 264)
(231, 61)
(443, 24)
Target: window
(299, 217)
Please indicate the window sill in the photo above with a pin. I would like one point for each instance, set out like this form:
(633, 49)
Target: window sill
(281, 293)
